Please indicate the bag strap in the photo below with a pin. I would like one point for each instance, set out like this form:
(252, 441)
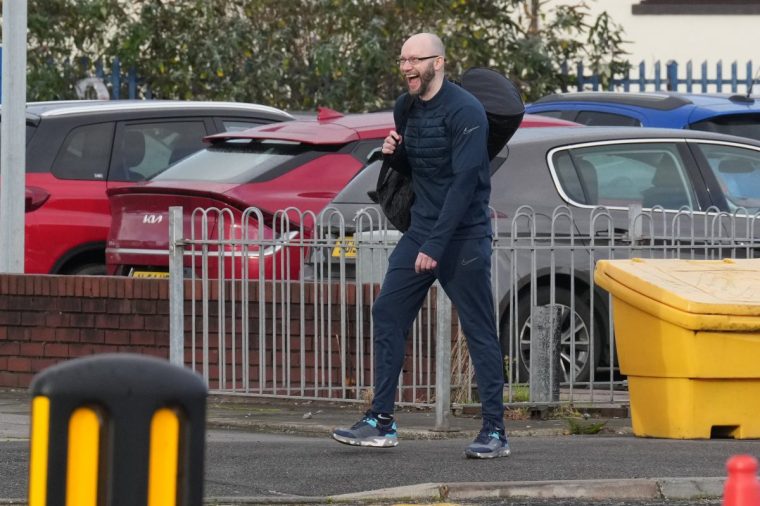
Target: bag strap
(404, 116)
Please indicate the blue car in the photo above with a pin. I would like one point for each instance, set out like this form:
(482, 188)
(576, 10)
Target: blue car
(728, 114)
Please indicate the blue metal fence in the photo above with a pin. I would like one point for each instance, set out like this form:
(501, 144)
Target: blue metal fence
(673, 77)
(125, 83)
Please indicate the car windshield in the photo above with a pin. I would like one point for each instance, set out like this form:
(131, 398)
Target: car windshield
(242, 161)
(738, 173)
(743, 125)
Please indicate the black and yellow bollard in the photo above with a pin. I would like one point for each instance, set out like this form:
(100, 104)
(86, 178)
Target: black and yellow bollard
(117, 430)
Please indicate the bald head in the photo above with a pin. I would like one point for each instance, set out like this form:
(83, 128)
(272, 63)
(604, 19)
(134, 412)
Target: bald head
(426, 41)
(422, 62)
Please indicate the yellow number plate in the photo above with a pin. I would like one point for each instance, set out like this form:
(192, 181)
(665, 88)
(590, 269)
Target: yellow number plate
(149, 274)
(347, 245)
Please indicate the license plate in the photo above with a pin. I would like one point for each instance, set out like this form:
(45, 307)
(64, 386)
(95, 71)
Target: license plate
(149, 274)
(347, 246)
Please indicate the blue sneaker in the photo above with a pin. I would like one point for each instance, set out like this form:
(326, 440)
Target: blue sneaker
(368, 432)
(490, 444)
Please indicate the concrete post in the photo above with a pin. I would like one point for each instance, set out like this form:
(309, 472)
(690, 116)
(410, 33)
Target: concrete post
(635, 224)
(176, 288)
(544, 354)
(442, 360)
(13, 138)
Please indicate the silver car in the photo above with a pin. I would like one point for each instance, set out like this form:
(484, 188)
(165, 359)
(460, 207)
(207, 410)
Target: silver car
(563, 198)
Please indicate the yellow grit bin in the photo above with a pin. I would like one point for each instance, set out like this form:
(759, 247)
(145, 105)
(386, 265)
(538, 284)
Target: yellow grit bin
(688, 338)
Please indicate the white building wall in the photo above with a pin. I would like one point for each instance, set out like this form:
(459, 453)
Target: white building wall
(681, 38)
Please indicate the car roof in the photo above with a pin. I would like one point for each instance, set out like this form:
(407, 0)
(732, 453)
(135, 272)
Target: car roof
(86, 107)
(563, 136)
(331, 127)
(661, 101)
(327, 127)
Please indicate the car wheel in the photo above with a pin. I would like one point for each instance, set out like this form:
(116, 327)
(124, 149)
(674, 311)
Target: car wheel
(580, 333)
(88, 270)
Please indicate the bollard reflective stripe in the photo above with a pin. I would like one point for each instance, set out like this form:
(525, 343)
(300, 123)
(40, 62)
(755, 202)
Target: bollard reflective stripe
(82, 459)
(38, 459)
(164, 458)
(122, 430)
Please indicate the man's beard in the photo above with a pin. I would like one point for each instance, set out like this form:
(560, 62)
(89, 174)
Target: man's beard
(426, 77)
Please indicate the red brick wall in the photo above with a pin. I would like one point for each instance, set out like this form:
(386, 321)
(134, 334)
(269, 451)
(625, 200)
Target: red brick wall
(48, 319)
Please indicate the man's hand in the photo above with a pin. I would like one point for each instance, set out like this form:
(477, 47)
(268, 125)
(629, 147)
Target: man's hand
(390, 143)
(424, 263)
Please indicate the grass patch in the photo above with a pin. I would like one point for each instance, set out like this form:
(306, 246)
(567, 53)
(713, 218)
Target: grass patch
(577, 422)
(519, 393)
(564, 411)
(584, 426)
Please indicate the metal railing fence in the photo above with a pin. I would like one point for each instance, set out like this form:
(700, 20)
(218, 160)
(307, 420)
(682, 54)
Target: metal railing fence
(281, 305)
(120, 82)
(670, 75)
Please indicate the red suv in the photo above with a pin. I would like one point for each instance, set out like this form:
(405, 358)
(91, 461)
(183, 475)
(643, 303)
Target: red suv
(301, 165)
(77, 149)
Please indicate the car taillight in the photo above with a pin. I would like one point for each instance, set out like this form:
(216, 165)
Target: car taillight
(271, 244)
(34, 198)
(257, 240)
(251, 250)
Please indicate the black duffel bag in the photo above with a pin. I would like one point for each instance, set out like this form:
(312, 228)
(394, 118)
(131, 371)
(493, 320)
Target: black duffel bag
(395, 195)
(394, 190)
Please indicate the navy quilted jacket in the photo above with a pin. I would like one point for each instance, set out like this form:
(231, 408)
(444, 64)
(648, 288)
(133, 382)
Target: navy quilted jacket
(445, 143)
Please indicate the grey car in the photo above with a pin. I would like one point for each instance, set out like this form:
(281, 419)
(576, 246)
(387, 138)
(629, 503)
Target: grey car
(564, 198)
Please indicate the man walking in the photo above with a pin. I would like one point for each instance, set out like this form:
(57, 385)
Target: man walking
(445, 146)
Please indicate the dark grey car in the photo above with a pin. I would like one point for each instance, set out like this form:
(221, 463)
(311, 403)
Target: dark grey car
(564, 198)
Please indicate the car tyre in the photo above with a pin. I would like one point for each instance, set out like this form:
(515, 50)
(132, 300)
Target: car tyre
(581, 333)
(88, 270)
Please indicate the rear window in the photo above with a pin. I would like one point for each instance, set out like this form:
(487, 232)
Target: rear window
(85, 152)
(145, 149)
(743, 125)
(243, 161)
(550, 114)
(596, 118)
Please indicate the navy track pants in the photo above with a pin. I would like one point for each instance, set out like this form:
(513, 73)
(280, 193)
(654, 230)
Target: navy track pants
(464, 272)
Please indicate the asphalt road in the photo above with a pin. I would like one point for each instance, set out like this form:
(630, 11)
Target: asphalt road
(240, 464)
(586, 502)
(265, 464)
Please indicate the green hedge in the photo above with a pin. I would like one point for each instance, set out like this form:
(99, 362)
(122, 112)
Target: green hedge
(298, 54)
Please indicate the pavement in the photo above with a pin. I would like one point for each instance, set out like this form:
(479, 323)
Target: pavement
(310, 417)
(602, 459)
